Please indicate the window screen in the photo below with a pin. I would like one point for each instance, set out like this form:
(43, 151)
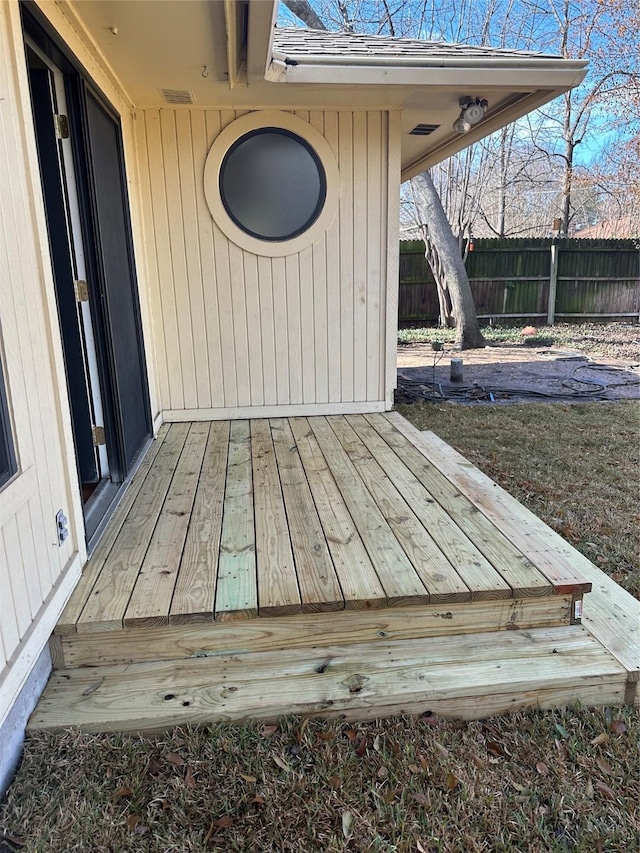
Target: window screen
(272, 184)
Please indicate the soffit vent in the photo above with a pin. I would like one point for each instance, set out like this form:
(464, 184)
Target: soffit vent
(423, 129)
(177, 96)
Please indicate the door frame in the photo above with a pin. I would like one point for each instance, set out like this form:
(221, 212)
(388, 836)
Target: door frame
(78, 86)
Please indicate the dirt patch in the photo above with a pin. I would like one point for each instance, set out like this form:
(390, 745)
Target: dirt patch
(519, 373)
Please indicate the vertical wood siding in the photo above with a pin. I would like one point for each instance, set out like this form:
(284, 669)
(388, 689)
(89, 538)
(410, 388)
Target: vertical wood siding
(234, 330)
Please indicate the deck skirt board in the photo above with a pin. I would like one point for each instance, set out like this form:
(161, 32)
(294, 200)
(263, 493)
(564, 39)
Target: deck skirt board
(454, 676)
(246, 519)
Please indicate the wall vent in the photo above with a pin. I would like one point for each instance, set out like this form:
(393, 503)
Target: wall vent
(177, 96)
(423, 129)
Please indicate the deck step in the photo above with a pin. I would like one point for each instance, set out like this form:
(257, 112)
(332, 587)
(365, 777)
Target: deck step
(174, 642)
(470, 676)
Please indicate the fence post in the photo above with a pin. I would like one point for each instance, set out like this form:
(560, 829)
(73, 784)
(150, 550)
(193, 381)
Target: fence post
(553, 285)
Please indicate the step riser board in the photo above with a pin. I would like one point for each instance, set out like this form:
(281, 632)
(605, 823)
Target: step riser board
(305, 631)
(469, 677)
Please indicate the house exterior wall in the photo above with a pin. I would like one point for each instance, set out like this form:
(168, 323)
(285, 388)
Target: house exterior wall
(237, 333)
(37, 575)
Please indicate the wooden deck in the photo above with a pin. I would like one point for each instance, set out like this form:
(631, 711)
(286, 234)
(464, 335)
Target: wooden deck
(235, 520)
(331, 565)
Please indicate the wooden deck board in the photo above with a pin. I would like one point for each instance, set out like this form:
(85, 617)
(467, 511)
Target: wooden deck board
(475, 570)
(469, 676)
(441, 580)
(519, 572)
(151, 596)
(319, 587)
(278, 592)
(174, 642)
(513, 519)
(237, 591)
(91, 572)
(109, 598)
(397, 575)
(194, 594)
(359, 582)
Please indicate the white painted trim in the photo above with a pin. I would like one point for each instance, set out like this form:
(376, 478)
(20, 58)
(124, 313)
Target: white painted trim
(222, 143)
(484, 73)
(293, 411)
(393, 255)
(25, 657)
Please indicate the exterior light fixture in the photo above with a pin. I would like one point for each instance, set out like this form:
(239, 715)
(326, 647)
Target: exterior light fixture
(471, 111)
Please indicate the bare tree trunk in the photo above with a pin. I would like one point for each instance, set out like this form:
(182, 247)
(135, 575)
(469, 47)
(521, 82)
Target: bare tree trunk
(303, 10)
(439, 234)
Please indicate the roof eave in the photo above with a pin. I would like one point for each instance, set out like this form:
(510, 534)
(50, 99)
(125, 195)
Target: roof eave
(494, 121)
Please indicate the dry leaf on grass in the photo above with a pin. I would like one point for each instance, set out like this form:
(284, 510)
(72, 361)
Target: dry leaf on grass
(452, 782)
(618, 727)
(268, 731)
(605, 790)
(125, 791)
(542, 768)
(189, 778)
(604, 765)
(347, 822)
(174, 758)
(444, 752)
(282, 764)
(601, 738)
(361, 748)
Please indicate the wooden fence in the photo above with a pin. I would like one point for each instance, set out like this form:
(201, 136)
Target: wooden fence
(531, 279)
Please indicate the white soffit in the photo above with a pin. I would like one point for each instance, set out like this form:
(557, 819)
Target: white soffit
(172, 44)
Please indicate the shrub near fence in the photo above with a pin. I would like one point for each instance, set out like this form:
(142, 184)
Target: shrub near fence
(514, 278)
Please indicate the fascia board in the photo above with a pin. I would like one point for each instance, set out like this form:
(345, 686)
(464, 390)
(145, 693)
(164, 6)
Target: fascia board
(494, 122)
(261, 28)
(484, 73)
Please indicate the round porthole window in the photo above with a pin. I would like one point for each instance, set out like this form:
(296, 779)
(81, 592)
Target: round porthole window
(272, 184)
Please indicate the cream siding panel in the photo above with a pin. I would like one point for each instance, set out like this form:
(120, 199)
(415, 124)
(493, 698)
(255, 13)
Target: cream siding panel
(333, 282)
(193, 252)
(200, 130)
(240, 332)
(347, 209)
(374, 256)
(281, 330)
(267, 332)
(9, 630)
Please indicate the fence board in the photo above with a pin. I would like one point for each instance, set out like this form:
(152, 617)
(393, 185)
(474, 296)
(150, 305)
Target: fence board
(510, 278)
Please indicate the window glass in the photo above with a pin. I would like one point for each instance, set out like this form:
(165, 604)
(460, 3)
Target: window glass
(272, 184)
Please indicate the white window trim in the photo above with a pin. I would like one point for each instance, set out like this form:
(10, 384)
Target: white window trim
(223, 142)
